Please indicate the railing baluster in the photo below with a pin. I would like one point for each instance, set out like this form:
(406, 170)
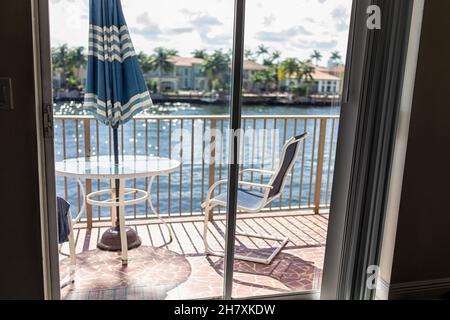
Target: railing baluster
(293, 170)
(222, 126)
(263, 157)
(97, 153)
(305, 127)
(169, 189)
(158, 153)
(311, 174)
(203, 158)
(319, 170)
(77, 144)
(242, 139)
(192, 166)
(146, 153)
(284, 141)
(212, 157)
(274, 145)
(134, 153)
(330, 158)
(87, 153)
(122, 140)
(181, 169)
(252, 174)
(66, 193)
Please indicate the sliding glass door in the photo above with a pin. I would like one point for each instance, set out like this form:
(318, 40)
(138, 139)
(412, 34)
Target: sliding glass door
(293, 74)
(185, 53)
(246, 96)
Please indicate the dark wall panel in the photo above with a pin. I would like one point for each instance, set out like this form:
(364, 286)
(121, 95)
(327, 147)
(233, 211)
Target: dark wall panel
(21, 273)
(423, 238)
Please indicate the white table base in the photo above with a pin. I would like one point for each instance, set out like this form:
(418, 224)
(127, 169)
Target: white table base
(121, 203)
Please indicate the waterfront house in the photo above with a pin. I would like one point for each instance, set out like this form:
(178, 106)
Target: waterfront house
(325, 81)
(250, 68)
(187, 75)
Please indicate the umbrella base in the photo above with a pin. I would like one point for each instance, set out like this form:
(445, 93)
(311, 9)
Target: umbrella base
(111, 240)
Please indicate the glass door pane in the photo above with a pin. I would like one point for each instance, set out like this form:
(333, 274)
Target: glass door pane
(184, 49)
(293, 75)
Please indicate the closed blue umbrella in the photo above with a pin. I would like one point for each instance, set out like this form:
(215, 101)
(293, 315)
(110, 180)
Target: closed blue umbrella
(115, 87)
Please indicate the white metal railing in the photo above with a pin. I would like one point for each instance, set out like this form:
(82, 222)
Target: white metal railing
(203, 158)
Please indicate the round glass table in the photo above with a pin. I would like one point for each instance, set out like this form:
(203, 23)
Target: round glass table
(129, 167)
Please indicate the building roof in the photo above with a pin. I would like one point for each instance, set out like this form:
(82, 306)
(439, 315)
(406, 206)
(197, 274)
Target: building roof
(253, 66)
(185, 61)
(337, 69)
(321, 74)
(189, 62)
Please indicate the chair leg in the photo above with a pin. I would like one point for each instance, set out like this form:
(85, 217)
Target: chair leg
(205, 229)
(282, 240)
(72, 256)
(210, 215)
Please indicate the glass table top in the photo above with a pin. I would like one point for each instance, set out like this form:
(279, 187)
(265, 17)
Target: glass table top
(129, 167)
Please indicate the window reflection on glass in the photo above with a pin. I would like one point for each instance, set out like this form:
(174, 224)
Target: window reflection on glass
(293, 76)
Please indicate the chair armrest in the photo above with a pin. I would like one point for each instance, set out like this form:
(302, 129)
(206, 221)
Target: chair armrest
(255, 185)
(77, 219)
(258, 171)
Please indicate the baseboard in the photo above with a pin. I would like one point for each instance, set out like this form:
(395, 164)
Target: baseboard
(428, 289)
(382, 291)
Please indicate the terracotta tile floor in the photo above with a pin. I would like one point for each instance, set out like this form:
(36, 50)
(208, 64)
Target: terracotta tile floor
(180, 270)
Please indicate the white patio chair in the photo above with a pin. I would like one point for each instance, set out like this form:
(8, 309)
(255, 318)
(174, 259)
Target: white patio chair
(253, 202)
(70, 279)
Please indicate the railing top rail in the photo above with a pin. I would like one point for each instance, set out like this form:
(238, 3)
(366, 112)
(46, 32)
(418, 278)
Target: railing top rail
(206, 117)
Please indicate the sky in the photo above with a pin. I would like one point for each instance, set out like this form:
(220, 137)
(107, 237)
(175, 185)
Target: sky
(294, 27)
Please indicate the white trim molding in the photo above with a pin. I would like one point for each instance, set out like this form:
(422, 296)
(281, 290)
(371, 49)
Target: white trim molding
(433, 289)
(399, 158)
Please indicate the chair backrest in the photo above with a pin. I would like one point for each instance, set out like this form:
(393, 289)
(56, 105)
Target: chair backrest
(288, 157)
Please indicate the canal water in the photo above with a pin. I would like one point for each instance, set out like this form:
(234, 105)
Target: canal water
(186, 193)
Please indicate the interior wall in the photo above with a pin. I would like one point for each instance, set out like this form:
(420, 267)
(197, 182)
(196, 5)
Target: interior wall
(21, 273)
(421, 260)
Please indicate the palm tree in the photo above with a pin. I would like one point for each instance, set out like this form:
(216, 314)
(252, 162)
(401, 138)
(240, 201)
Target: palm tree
(262, 51)
(145, 61)
(160, 62)
(273, 64)
(289, 68)
(216, 67)
(305, 73)
(336, 58)
(276, 55)
(60, 63)
(199, 53)
(317, 56)
(59, 56)
(67, 61)
(264, 78)
(77, 59)
(249, 55)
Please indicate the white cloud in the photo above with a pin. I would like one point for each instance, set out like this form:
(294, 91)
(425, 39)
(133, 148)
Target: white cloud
(294, 27)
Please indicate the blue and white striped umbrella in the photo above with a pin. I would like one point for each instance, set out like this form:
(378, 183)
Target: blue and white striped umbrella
(115, 87)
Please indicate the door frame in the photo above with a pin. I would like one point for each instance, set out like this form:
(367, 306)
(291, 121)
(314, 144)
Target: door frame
(44, 121)
(345, 261)
(373, 92)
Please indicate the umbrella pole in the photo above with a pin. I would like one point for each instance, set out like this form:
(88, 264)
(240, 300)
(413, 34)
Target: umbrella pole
(111, 238)
(116, 163)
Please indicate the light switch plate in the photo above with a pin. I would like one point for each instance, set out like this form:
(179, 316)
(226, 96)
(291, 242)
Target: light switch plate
(6, 98)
